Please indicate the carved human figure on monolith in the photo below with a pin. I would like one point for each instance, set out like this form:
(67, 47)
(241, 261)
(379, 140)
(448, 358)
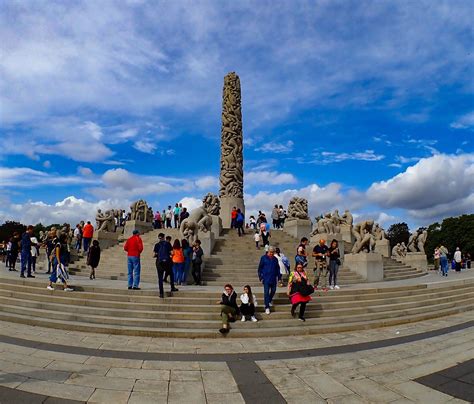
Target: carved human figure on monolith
(298, 208)
(232, 172)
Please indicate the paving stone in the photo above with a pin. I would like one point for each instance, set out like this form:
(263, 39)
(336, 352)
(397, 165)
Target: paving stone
(109, 397)
(228, 398)
(151, 374)
(219, 382)
(114, 362)
(154, 386)
(186, 375)
(49, 388)
(66, 357)
(417, 392)
(351, 399)
(100, 382)
(25, 359)
(326, 386)
(459, 390)
(188, 392)
(213, 366)
(301, 395)
(11, 380)
(139, 397)
(171, 365)
(372, 391)
(78, 368)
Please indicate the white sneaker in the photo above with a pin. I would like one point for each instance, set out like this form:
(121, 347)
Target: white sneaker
(331, 287)
(337, 287)
(267, 311)
(253, 319)
(49, 287)
(68, 289)
(243, 319)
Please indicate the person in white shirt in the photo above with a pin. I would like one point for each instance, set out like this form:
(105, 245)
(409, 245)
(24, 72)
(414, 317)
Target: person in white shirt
(34, 252)
(458, 259)
(249, 302)
(256, 237)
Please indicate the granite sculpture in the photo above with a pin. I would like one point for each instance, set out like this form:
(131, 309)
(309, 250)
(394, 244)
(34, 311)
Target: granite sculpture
(105, 221)
(364, 239)
(417, 240)
(200, 219)
(298, 208)
(140, 212)
(212, 204)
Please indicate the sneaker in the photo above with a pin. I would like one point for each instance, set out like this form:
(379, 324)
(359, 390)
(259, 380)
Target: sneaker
(31, 276)
(175, 290)
(243, 319)
(253, 319)
(302, 319)
(162, 297)
(337, 287)
(136, 288)
(68, 289)
(22, 276)
(224, 330)
(129, 288)
(267, 311)
(49, 287)
(331, 287)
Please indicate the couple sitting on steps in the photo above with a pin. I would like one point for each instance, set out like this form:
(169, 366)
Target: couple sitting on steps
(230, 310)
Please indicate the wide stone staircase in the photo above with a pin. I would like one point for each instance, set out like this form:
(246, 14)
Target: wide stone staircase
(235, 259)
(394, 270)
(193, 314)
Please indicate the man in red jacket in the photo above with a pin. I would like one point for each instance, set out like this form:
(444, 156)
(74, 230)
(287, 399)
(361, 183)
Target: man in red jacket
(134, 247)
(87, 233)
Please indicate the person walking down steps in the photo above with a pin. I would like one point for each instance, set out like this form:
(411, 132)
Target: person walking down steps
(93, 258)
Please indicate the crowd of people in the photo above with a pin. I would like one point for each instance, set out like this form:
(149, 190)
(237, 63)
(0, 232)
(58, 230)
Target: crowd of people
(171, 217)
(459, 260)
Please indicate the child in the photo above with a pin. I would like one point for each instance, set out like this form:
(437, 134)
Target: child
(93, 258)
(256, 237)
(249, 302)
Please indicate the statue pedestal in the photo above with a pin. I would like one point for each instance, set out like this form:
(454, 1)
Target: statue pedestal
(367, 265)
(106, 239)
(207, 242)
(298, 228)
(131, 225)
(383, 247)
(227, 204)
(416, 260)
(216, 227)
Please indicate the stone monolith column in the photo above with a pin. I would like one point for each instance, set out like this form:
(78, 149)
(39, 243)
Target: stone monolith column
(232, 173)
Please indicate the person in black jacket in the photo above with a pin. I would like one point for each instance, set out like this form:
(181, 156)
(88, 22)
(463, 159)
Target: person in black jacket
(197, 262)
(93, 257)
(229, 308)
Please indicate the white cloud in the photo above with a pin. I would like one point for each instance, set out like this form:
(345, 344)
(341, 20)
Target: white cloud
(274, 147)
(207, 183)
(145, 146)
(434, 182)
(265, 178)
(23, 177)
(85, 171)
(464, 122)
(326, 157)
(191, 203)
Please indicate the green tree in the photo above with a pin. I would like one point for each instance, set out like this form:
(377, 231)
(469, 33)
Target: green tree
(8, 228)
(398, 233)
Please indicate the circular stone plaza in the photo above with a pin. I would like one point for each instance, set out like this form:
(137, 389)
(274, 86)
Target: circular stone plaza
(395, 332)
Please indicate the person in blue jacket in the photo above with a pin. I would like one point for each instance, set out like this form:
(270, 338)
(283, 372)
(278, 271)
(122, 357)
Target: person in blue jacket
(269, 275)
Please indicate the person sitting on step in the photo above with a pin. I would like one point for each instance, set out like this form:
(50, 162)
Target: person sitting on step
(249, 302)
(229, 308)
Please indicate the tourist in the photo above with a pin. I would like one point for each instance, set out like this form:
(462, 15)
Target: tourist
(301, 254)
(183, 215)
(443, 260)
(87, 234)
(50, 250)
(256, 237)
(229, 308)
(188, 257)
(265, 234)
(320, 253)
(239, 222)
(334, 262)
(248, 304)
(26, 245)
(169, 217)
(233, 216)
(177, 257)
(93, 258)
(458, 259)
(176, 212)
(252, 222)
(3, 250)
(34, 253)
(134, 247)
(60, 263)
(275, 217)
(299, 291)
(197, 262)
(269, 275)
(15, 250)
(180, 206)
(78, 237)
(281, 216)
(162, 253)
(468, 261)
(436, 258)
(163, 219)
(157, 220)
(170, 272)
(283, 263)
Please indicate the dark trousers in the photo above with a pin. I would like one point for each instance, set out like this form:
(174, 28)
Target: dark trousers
(196, 272)
(164, 268)
(269, 290)
(240, 228)
(302, 308)
(12, 260)
(26, 262)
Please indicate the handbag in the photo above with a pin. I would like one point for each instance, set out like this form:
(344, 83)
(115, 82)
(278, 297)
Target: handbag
(302, 288)
(338, 261)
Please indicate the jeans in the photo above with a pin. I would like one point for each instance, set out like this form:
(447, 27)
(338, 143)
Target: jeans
(269, 290)
(333, 269)
(133, 271)
(196, 273)
(178, 271)
(162, 268)
(444, 265)
(26, 262)
(78, 244)
(240, 228)
(87, 242)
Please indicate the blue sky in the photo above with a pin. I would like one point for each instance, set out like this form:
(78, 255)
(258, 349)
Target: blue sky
(365, 105)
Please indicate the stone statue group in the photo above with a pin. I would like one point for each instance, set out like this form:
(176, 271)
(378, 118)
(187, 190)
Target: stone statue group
(416, 243)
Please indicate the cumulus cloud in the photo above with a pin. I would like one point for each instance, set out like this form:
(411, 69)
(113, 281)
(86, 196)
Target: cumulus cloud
(145, 146)
(208, 183)
(441, 183)
(24, 177)
(265, 178)
(275, 147)
(328, 157)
